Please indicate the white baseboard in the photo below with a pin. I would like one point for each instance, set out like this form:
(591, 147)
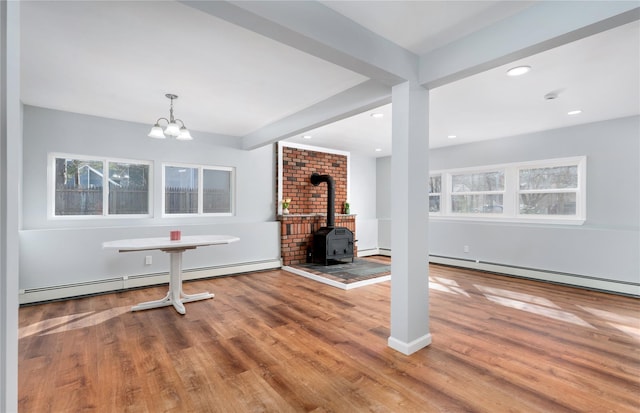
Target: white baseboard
(410, 347)
(374, 251)
(368, 252)
(58, 292)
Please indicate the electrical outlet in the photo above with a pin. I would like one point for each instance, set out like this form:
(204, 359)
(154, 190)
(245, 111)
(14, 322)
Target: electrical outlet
(465, 248)
(148, 260)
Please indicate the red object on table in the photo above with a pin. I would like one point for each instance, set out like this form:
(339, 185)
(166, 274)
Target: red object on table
(174, 235)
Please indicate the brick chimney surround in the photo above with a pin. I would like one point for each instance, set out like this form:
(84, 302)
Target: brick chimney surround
(307, 211)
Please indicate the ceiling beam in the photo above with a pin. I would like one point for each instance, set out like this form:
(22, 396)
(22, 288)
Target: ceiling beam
(318, 30)
(365, 96)
(541, 27)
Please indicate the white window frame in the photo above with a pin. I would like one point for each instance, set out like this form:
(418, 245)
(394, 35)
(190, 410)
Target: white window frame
(511, 194)
(51, 186)
(200, 169)
(469, 171)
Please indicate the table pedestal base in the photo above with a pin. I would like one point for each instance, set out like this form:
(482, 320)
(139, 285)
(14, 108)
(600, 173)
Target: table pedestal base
(176, 303)
(175, 297)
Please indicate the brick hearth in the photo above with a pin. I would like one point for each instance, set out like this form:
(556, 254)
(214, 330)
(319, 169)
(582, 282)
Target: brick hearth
(296, 234)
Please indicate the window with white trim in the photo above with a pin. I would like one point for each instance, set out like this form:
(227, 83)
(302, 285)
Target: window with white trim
(550, 191)
(197, 190)
(435, 185)
(94, 186)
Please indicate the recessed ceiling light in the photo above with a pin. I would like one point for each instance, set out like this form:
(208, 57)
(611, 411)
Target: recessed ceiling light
(574, 112)
(378, 150)
(306, 137)
(452, 136)
(377, 115)
(518, 70)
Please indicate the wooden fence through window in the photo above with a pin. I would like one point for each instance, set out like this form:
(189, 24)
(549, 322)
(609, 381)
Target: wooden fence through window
(185, 201)
(88, 201)
(134, 200)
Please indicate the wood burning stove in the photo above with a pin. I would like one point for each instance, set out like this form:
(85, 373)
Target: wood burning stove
(330, 243)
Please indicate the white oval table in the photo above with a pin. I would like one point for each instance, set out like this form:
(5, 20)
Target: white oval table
(175, 297)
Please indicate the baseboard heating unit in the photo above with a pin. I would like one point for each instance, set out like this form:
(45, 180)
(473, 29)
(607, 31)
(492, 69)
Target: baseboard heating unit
(58, 292)
(572, 280)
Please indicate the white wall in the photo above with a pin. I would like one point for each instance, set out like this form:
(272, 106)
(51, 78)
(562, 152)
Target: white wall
(362, 199)
(606, 246)
(65, 251)
(48, 131)
(383, 202)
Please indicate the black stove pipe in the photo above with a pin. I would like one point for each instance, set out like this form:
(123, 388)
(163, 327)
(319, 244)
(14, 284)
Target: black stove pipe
(316, 179)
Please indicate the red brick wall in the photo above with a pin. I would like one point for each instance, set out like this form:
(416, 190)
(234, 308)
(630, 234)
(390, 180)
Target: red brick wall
(307, 200)
(297, 167)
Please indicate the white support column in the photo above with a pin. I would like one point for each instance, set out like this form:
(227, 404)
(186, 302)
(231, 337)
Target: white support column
(409, 219)
(10, 181)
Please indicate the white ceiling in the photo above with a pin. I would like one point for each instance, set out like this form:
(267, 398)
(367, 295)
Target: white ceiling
(117, 60)
(599, 75)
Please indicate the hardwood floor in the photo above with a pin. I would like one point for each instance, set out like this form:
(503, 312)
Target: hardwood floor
(276, 342)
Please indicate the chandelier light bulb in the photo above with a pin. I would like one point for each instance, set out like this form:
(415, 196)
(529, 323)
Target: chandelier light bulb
(156, 132)
(172, 129)
(184, 135)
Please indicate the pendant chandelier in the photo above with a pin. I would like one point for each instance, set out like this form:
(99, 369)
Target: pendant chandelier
(172, 129)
